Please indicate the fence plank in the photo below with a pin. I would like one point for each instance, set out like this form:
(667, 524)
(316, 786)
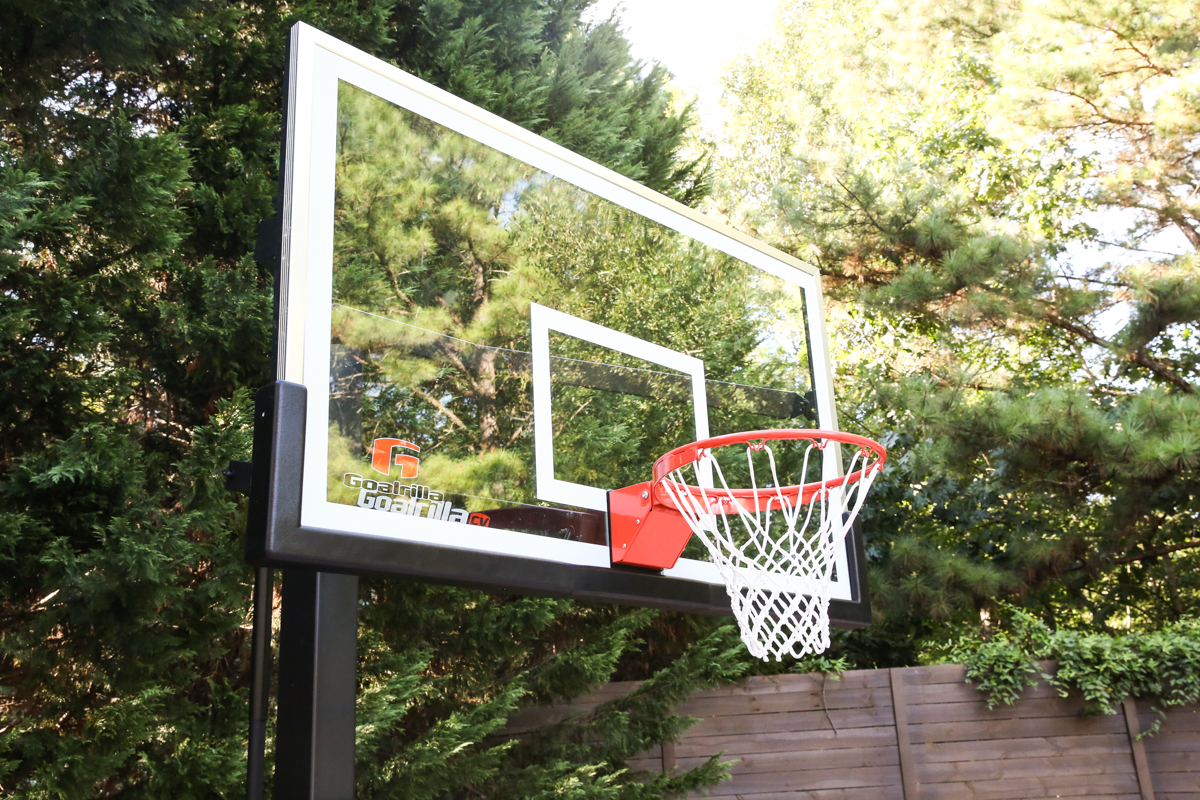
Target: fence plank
(1124, 786)
(1183, 782)
(802, 761)
(784, 684)
(982, 768)
(908, 775)
(889, 792)
(785, 741)
(816, 700)
(761, 782)
(1016, 729)
(1034, 747)
(977, 710)
(937, 673)
(1177, 721)
(1175, 761)
(1138, 749)
(963, 692)
(837, 719)
(1170, 741)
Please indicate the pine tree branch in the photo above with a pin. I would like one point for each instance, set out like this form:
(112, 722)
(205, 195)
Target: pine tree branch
(440, 406)
(1096, 387)
(1100, 117)
(516, 435)
(1156, 552)
(396, 290)
(1148, 62)
(479, 279)
(1176, 218)
(1100, 281)
(1136, 248)
(1138, 357)
(946, 383)
(862, 206)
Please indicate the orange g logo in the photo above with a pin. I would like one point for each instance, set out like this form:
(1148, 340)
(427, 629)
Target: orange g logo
(381, 457)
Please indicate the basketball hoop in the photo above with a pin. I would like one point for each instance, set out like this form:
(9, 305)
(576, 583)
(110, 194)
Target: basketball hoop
(777, 556)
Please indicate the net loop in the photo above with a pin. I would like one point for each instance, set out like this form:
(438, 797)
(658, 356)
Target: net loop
(777, 556)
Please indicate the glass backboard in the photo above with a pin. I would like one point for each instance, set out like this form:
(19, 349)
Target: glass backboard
(494, 332)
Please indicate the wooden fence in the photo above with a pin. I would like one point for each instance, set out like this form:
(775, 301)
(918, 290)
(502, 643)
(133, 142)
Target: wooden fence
(921, 733)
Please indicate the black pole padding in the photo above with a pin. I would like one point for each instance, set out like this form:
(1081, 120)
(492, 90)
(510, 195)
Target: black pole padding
(260, 682)
(318, 638)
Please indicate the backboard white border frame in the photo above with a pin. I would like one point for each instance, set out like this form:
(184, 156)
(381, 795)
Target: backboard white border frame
(542, 321)
(318, 62)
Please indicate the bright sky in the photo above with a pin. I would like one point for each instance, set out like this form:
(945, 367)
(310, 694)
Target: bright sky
(693, 39)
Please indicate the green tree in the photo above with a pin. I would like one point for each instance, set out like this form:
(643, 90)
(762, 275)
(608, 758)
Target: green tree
(138, 154)
(956, 172)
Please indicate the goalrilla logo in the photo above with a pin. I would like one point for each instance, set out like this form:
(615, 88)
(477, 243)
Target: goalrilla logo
(381, 457)
(409, 499)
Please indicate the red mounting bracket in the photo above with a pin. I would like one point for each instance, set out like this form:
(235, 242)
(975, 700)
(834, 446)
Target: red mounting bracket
(642, 533)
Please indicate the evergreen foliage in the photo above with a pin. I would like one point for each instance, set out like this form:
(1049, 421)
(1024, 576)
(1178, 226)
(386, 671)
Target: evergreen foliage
(138, 156)
(996, 194)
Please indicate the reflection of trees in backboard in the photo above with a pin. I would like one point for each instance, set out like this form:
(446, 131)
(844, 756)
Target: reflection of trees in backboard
(418, 241)
(442, 243)
(628, 273)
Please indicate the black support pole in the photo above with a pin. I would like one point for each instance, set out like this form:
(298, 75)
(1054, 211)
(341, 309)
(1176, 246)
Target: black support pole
(260, 672)
(314, 746)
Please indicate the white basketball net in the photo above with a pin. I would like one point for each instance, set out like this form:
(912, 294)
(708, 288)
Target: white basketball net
(779, 583)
